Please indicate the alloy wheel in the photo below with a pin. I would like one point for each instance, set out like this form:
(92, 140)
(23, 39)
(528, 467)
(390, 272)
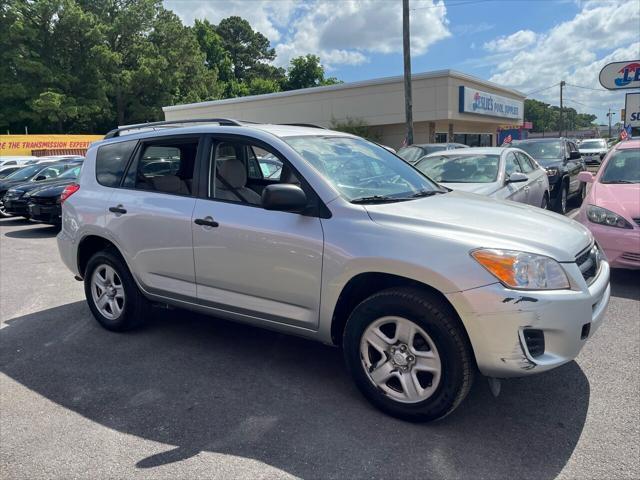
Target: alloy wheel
(563, 200)
(401, 359)
(107, 291)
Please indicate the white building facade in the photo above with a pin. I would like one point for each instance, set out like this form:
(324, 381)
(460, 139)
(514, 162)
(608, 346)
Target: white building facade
(447, 106)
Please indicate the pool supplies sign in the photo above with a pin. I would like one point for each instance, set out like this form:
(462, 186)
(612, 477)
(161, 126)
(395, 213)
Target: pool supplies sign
(483, 103)
(632, 110)
(621, 75)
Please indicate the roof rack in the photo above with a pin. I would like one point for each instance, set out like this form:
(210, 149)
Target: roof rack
(310, 125)
(169, 123)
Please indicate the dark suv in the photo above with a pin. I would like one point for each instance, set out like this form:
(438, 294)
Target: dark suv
(563, 162)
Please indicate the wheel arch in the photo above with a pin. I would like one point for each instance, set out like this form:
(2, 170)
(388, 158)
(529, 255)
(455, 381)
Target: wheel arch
(89, 245)
(363, 285)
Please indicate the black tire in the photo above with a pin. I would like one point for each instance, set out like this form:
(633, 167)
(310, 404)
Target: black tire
(436, 318)
(560, 204)
(545, 201)
(135, 304)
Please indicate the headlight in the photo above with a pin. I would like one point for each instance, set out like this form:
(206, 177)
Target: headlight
(13, 193)
(552, 172)
(521, 270)
(603, 216)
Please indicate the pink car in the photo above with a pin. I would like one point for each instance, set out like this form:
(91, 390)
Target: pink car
(611, 209)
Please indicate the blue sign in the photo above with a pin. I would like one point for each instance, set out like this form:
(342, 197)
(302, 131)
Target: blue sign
(483, 103)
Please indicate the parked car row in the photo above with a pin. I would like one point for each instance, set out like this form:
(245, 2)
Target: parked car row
(34, 191)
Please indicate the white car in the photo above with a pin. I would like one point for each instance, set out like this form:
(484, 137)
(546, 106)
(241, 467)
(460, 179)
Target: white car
(350, 245)
(16, 160)
(496, 172)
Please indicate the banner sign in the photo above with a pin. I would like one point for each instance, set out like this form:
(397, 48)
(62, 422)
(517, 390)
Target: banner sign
(483, 103)
(25, 144)
(632, 109)
(621, 75)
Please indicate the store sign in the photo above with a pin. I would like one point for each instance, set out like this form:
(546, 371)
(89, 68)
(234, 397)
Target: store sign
(483, 103)
(632, 109)
(621, 75)
(25, 144)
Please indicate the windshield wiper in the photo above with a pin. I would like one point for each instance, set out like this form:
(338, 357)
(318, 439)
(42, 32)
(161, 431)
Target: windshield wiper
(376, 199)
(427, 193)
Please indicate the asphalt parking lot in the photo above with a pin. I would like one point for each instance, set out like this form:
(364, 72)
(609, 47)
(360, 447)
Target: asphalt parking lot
(193, 397)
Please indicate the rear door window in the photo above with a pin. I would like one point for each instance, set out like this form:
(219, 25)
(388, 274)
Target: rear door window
(111, 162)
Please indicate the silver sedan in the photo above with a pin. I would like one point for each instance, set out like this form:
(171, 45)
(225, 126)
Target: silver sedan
(496, 172)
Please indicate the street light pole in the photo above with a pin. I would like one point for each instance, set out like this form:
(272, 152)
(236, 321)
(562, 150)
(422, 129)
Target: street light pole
(610, 114)
(406, 49)
(562, 84)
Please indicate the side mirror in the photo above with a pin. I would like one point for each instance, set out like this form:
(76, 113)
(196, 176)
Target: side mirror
(284, 197)
(517, 177)
(40, 178)
(574, 155)
(585, 177)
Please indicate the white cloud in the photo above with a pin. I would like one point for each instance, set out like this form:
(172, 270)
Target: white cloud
(574, 51)
(342, 32)
(515, 41)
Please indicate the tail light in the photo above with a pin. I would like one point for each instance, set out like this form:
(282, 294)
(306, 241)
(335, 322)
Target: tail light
(68, 191)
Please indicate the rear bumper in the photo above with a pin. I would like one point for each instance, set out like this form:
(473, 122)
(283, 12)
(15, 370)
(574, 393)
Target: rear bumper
(496, 318)
(68, 251)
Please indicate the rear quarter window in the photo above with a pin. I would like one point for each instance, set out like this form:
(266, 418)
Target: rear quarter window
(111, 162)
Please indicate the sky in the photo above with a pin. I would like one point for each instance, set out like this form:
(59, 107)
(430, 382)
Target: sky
(528, 45)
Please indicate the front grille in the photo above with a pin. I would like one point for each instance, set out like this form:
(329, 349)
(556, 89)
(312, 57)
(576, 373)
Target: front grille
(630, 256)
(535, 341)
(588, 262)
(44, 200)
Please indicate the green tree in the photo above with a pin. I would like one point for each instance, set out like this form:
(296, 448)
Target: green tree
(248, 50)
(355, 126)
(305, 72)
(216, 56)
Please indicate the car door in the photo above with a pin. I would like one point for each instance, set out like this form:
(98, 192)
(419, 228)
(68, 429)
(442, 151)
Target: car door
(252, 263)
(536, 179)
(517, 191)
(150, 216)
(574, 166)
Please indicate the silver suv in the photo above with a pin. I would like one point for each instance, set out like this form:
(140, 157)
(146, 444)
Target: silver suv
(347, 244)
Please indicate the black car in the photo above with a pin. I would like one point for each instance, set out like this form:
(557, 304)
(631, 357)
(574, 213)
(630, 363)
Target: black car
(563, 162)
(44, 202)
(14, 186)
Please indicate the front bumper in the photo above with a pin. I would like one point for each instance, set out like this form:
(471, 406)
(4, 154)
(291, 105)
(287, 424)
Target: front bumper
(17, 207)
(51, 214)
(621, 246)
(496, 318)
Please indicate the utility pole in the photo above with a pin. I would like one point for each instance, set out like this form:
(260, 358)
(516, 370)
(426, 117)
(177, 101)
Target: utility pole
(406, 49)
(562, 84)
(610, 114)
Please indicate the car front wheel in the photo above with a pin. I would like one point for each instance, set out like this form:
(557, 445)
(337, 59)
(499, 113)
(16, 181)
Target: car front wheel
(112, 294)
(562, 200)
(3, 211)
(408, 354)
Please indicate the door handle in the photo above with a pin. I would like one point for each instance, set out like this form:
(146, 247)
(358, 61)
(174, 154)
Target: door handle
(118, 209)
(206, 222)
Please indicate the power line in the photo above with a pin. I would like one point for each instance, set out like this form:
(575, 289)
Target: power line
(543, 89)
(602, 90)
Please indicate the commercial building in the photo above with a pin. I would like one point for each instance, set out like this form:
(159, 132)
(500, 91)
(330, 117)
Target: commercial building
(45, 144)
(447, 106)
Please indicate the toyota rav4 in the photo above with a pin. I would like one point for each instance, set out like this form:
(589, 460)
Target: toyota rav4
(347, 244)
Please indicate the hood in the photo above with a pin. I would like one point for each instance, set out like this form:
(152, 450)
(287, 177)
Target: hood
(478, 188)
(620, 198)
(589, 151)
(479, 221)
(549, 162)
(31, 186)
(7, 184)
(51, 190)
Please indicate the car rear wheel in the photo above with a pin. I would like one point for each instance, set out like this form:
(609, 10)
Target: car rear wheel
(408, 354)
(112, 294)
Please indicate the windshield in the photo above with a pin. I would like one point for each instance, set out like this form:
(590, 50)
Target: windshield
(461, 168)
(50, 172)
(587, 144)
(411, 154)
(622, 167)
(71, 173)
(541, 150)
(25, 173)
(360, 169)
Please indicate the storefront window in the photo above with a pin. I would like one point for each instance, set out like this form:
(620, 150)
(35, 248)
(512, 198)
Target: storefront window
(441, 138)
(473, 139)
